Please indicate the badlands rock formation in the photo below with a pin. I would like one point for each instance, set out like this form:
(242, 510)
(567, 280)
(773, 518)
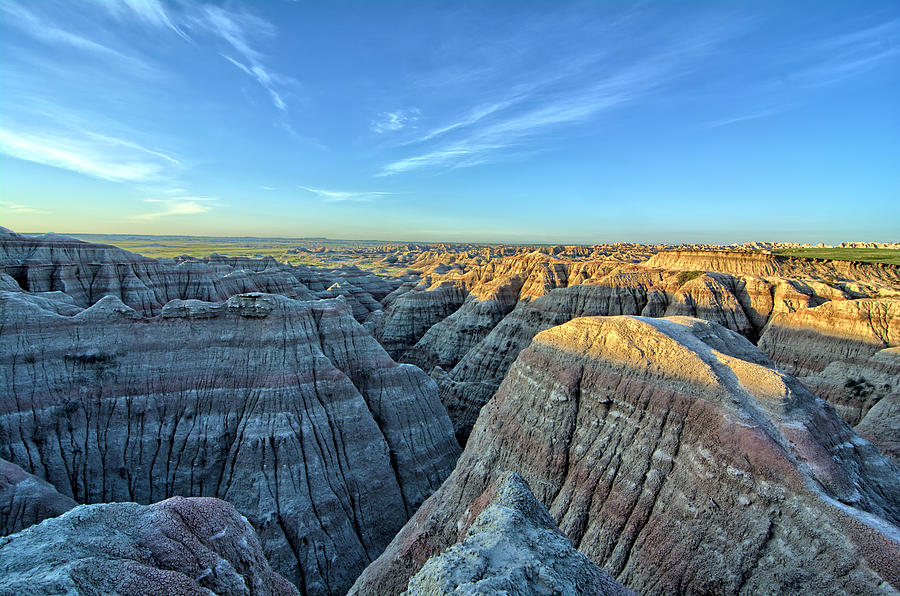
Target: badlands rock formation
(768, 265)
(846, 352)
(289, 410)
(196, 546)
(499, 308)
(26, 500)
(677, 457)
(511, 547)
(87, 272)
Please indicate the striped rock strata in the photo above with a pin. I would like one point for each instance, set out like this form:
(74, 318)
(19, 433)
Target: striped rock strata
(678, 458)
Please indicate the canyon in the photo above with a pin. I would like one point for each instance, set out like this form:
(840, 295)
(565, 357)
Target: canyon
(436, 419)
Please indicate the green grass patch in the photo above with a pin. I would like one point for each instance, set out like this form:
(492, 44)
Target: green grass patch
(686, 276)
(861, 255)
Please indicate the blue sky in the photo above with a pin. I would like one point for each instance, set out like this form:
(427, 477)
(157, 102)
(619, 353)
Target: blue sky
(505, 121)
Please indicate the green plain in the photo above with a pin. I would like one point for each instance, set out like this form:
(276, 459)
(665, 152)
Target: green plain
(862, 255)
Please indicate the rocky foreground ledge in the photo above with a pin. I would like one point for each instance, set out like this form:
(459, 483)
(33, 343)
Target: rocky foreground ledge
(512, 547)
(677, 457)
(197, 546)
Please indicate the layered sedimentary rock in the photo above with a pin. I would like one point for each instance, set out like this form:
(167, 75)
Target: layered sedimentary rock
(410, 316)
(26, 500)
(676, 456)
(472, 323)
(881, 424)
(846, 352)
(87, 272)
(483, 294)
(768, 265)
(511, 547)
(179, 546)
(289, 410)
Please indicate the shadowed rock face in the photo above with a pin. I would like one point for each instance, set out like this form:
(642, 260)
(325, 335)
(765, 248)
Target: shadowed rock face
(848, 353)
(289, 410)
(26, 499)
(677, 457)
(178, 546)
(512, 547)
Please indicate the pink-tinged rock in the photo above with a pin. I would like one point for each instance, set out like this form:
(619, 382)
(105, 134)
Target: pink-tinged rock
(677, 457)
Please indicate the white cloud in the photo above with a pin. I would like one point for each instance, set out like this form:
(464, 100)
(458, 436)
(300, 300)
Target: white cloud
(16, 208)
(512, 127)
(177, 206)
(237, 29)
(49, 33)
(581, 89)
(110, 159)
(335, 196)
(392, 121)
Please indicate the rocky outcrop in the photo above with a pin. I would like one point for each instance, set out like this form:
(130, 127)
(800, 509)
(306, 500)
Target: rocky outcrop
(848, 353)
(837, 350)
(881, 425)
(677, 457)
(87, 272)
(769, 265)
(504, 304)
(512, 547)
(196, 546)
(482, 293)
(412, 314)
(289, 410)
(25, 499)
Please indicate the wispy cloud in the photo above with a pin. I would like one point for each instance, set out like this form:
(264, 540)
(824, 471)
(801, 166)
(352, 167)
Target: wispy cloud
(814, 65)
(570, 91)
(99, 156)
(177, 206)
(849, 54)
(336, 196)
(393, 121)
(16, 208)
(48, 32)
(754, 115)
(237, 29)
(151, 12)
(512, 121)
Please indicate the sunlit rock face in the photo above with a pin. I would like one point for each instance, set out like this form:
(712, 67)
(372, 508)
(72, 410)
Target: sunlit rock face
(511, 545)
(677, 457)
(289, 410)
(196, 546)
(466, 323)
(768, 265)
